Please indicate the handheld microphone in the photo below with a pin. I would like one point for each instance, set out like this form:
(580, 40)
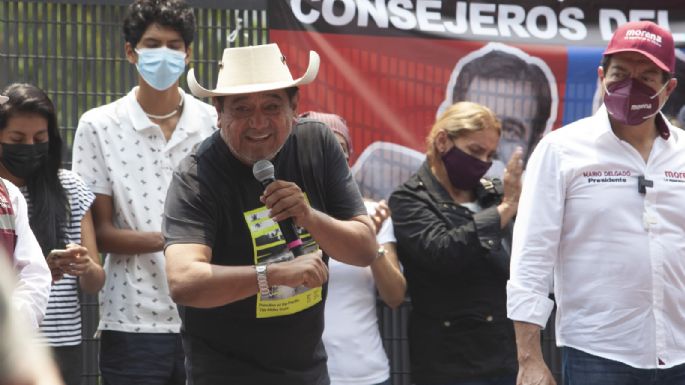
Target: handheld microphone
(263, 171)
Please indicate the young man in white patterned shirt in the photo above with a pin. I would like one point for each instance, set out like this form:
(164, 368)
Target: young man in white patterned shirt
(126, 152)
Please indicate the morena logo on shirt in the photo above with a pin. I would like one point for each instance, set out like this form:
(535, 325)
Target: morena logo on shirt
(675, 176)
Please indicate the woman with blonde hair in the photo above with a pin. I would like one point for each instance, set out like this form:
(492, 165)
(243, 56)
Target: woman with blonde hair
(452, 228)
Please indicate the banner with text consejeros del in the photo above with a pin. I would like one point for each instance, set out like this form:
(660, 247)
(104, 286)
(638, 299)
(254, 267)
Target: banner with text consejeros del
(390, 66)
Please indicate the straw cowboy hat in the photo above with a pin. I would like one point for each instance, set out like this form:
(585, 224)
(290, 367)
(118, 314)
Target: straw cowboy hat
(253, 69)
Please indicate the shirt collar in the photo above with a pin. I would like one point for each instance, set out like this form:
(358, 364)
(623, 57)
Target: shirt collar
(140, 121)
(432, 184)
(602, 117)
(189, 112)
(662, 126)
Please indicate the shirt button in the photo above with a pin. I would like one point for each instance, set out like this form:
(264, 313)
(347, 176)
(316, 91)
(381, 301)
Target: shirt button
(648, 221)
(447, 324)
(489, 318)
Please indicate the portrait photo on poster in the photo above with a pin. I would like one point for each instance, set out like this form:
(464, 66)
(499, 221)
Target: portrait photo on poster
(519, 88)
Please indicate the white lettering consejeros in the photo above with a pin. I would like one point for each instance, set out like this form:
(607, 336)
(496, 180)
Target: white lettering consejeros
(480, 19)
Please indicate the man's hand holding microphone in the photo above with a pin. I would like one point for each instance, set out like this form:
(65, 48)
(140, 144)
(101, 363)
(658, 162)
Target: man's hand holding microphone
(288, 207)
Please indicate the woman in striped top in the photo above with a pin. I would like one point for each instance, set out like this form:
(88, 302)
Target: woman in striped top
(59, 210)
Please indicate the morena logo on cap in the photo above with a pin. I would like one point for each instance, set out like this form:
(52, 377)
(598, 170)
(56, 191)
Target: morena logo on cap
(647, 38)
(643, 35)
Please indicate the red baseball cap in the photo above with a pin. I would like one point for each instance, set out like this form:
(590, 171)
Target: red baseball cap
(646, 38)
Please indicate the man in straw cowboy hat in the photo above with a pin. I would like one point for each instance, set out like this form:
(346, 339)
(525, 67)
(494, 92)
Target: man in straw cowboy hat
(253, 314)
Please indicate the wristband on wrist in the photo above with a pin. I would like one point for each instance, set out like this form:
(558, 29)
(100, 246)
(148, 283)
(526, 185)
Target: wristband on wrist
(381, 252)
(262, 282)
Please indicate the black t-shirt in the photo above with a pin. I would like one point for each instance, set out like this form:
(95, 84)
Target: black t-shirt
(214, 200)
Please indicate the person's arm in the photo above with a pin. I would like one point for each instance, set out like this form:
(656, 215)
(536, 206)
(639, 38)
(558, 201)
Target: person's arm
(388, 277)
(94, 277)
(349, 241)
(194, 281)
(537, 233)
(512, 188)
(82, 260)
(34, 279)
(532, 367)
(23, 359)
(111, 239)
(387, 274)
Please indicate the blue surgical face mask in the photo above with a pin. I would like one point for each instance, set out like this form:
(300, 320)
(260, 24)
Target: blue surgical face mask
(160, 67)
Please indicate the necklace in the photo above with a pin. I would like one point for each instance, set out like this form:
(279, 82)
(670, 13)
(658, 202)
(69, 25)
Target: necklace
(170, 114)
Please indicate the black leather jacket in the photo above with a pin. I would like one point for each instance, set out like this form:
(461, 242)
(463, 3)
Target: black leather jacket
(457, 265)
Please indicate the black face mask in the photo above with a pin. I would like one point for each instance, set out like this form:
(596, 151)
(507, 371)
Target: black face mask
(22, 160)
(464, 170)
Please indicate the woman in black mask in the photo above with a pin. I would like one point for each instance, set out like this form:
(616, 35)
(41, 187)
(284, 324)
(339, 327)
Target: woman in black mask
(59, 214)
(452, 228)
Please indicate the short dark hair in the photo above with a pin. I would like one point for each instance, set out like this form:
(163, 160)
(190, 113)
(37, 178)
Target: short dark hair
(498, 64)
(174, 14)
(606, 60)
(49, 211)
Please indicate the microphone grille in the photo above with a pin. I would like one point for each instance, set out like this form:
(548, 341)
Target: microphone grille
(263, 170)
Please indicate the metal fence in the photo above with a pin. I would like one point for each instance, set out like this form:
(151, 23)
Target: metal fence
(74, 50)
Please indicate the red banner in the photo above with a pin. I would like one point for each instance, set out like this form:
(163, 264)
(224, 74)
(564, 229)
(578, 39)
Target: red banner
(390, 66)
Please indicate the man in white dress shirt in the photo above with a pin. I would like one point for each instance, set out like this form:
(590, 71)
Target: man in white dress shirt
(601, 215)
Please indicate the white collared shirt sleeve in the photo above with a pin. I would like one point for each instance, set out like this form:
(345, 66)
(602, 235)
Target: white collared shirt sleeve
(88, 160)
(536, 237)
(34, 280)
(387, 233)
(120, 152)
